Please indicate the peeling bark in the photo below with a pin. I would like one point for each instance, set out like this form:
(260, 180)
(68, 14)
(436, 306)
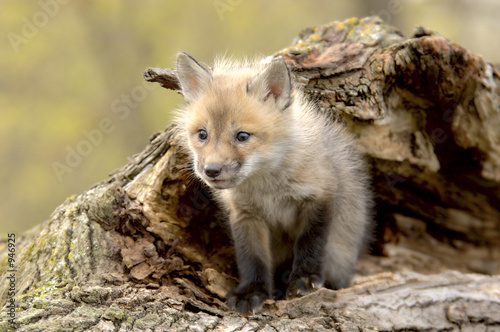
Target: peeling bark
(148, 250)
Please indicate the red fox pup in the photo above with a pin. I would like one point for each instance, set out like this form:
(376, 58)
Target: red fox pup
(294, 187)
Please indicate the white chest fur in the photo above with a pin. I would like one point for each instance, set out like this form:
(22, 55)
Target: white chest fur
(275, 201)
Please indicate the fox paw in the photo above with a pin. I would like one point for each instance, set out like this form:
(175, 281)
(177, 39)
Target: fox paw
(301, 286)
(247, 299)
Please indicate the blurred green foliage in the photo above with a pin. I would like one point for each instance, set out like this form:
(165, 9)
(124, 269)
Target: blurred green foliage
(67, 66)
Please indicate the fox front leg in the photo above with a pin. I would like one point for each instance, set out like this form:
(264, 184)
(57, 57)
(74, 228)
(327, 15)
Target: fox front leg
(308, 271)
(251, 240)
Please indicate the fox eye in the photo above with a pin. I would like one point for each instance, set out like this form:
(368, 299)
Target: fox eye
(242, 136)
(202, 135)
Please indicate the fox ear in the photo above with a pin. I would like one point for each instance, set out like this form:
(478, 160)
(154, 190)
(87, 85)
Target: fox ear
(274, 81)
(194, 77)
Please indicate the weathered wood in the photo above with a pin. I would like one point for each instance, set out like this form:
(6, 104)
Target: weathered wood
(165, 77)
(147, 248)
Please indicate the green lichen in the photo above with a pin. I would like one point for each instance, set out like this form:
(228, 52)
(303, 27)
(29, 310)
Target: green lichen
(116, 314)
(29, 316)
(148, 321)
(368, 30)
(41, 291)
(371, 30)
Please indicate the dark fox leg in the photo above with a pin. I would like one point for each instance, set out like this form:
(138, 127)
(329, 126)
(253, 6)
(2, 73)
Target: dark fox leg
(349, 233)
(251, 240)
(281, 278)
(309, 250)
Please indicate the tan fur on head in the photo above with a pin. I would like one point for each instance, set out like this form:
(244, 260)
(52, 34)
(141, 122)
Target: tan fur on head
(249, 99)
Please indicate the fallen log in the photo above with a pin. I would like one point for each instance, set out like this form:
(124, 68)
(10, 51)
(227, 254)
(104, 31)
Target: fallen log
(148, 249)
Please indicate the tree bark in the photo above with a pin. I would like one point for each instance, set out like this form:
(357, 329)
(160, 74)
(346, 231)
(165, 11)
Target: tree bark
(147, 249)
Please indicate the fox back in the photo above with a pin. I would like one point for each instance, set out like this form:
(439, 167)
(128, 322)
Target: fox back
(295, 188)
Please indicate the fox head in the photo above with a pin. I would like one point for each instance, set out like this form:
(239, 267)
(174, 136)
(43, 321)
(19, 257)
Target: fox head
(235, 120)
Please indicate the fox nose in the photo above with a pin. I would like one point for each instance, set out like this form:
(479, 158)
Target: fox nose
(212, 170)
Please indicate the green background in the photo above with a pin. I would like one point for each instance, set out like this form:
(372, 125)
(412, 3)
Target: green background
(74, 106)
